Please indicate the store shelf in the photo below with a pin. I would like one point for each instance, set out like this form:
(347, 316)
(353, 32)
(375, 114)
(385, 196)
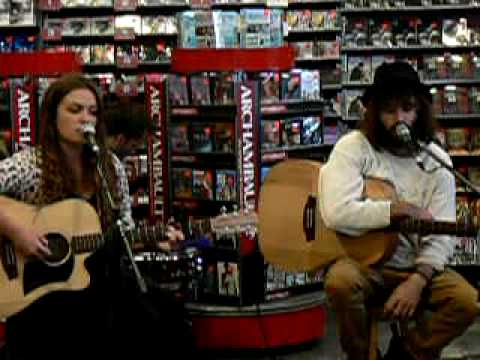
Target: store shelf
(213, 160)
(30, 29)
(310, 33)
(81, 40)
(351, 119)
(238, 6)
(436, 82)
(331, 87)
(79, 11)
(101, 39)
(300, 108)
(312, 4)
(205, 112)
(138, 68)
(250, 60)
(410, 9)
(417, 48)
(315, 60)
(332, 116)
(164, 8)
(200, 207)
(110, 10)
(274, 155)
(443, 117)
(350, 85)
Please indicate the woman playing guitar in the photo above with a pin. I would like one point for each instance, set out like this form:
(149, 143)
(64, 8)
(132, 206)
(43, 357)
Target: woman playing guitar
(109, 318)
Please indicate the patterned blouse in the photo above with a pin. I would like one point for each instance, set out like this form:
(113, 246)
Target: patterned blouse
(20, 178)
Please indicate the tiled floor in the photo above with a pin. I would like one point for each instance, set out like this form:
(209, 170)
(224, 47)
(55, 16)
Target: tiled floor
(466, 347)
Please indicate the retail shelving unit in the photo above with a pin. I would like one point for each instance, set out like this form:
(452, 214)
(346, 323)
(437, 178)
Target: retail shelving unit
(216, 313)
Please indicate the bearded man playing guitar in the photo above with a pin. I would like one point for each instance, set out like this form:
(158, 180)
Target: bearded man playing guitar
(416, 273)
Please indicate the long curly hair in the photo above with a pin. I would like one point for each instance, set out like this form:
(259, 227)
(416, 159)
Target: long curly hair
(57, 180)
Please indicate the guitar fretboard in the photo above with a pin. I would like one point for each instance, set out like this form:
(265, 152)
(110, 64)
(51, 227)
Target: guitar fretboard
(86, 243)
(141, 234)
(425, 227)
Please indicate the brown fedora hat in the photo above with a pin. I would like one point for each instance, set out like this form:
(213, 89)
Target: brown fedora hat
(395, 79)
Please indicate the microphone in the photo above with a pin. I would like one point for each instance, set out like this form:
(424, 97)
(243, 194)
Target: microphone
(89, 133)
(403, 133)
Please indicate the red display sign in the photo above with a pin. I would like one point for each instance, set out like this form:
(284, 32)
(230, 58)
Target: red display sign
(157, 148)
(248, 140)
(23, 107)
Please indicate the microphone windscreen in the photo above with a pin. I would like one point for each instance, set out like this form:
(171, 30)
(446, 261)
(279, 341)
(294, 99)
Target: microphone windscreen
(403, 133)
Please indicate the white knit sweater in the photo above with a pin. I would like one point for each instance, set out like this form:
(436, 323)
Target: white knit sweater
(344, 209)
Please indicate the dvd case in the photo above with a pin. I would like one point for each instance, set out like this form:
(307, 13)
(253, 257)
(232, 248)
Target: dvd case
(203, 184)
(226, 185)
(182, 182)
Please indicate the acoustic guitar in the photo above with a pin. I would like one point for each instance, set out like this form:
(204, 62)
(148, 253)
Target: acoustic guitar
(293, 236)
(73, 230)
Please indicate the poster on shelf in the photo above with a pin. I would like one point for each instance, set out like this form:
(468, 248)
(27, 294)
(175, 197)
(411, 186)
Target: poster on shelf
(228, 281)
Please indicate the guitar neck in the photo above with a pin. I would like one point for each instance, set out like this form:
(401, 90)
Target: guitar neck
(146, 234)
(425, 227)
(141, 234)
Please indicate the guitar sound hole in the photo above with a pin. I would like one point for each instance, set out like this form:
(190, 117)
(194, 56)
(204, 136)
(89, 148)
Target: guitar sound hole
(58, 246)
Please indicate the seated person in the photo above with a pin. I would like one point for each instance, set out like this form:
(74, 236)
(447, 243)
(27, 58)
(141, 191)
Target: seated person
(417, 271)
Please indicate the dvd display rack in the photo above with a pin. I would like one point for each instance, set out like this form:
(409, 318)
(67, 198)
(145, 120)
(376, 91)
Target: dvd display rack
(289, 117)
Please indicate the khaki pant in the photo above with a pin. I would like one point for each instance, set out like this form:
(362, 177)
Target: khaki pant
(351, 289)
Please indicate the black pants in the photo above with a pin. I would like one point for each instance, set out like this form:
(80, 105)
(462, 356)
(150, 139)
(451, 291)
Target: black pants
(110, 319)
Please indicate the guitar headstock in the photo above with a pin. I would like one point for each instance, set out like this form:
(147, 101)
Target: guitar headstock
(235, 221)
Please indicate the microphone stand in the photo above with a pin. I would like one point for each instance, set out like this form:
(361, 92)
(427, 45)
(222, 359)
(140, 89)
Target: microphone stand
(423, 146)
(121, 225)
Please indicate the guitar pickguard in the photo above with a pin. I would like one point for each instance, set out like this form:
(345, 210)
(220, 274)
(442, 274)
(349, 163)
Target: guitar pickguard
(37, 274)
